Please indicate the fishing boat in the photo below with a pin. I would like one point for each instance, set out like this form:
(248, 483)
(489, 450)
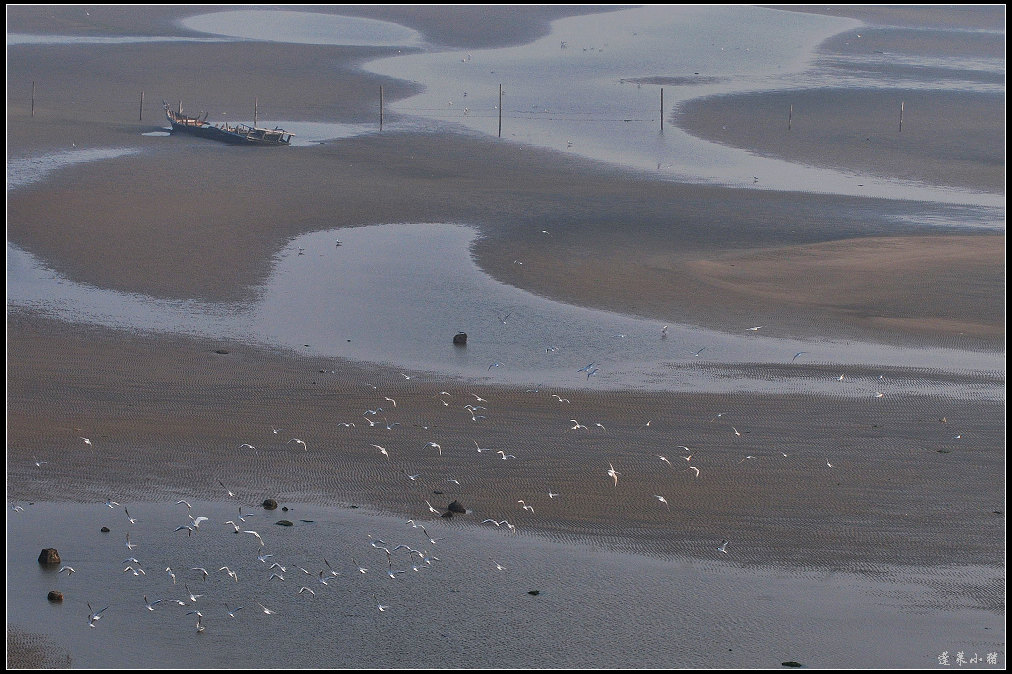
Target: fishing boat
(238, 134)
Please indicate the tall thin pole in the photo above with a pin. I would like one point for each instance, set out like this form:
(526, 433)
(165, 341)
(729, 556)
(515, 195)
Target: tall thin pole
(33, 98)
(901, 116)
(256, 110)
(381, 107)
(140, 113)
(662, 108)
(790, 115)
(500, 109)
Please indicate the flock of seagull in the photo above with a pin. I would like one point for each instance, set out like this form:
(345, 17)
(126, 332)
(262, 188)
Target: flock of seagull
(417, 552)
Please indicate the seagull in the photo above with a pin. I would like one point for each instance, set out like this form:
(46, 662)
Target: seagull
(411, 477)
(383, 451)
(879, 394)
(664, 332)
(361, 569)
(232, 612)
(723, 546)
(234, 525)
(664, 459)
(188, 506)
(663, 500)
(256, 535)
(301, 442)
(275, 575)
(111, 503)
(202, 570)
(391, 400)
(132, 520)
(332, 571)
(437, 446)
(168, 569)
(695, 469)
(498, 566)
(137, 572)
(699, 352)
(406, 376)
(230, 494)
(560, 398)
(93, 615)
(200, 625)
(151, 604)
(840, 378)
(193, 597)
(553, 494)
(129, 545)
(797, 354)
(68, 569)
(275, 565)
(736, 431)
(478, 398)
(247, 445)
(526, 507)
(505, 455)
(612, 473)
(87, 442)
(587, 367)
(431, 509)
(306, 589)
(197, 521)
(495, 364)
(757, 328)
(265, 609)
(38, 463)
(828, 463)
(380, 606)
(576, 425)
(480, 448)
(230, 572)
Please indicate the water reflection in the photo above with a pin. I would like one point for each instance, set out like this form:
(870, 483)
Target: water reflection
(303, 28)
(396, 295)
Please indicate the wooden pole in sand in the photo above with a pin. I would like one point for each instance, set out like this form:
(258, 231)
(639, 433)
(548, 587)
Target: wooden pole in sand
(790, 115)
(662, 108)
(381, 107)
(901, 116)
(256, 110)
(500, 109)
(33, 98)
(140, 114)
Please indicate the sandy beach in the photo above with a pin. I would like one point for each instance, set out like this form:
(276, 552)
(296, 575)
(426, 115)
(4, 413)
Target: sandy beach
(829, 501)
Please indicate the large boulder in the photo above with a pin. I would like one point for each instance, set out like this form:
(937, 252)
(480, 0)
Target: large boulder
(49, 556)
(455, 507)
(270, 504)
(55, 596)
(460, 339)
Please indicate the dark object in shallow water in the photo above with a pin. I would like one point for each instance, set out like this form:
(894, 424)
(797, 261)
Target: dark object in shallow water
(460, 339)
(791, 663)
(221, 351)
(285, 523)
(284, 508)
(105, 530)
(240, 134)
(436, 491)
(448, 513)
(455, 507)
(49, 556)
(54, 595)
(534, 592)
(269, 504)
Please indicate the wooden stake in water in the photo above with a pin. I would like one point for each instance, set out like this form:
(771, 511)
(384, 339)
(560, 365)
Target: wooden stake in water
(662, 108)
(500, 109)
(140, 114)
(790, 115)
(901, 116)
(256, 110)
(33, 98)
(381, 107)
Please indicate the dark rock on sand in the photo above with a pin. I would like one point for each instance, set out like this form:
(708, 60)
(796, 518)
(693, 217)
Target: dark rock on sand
(55, 595)
(284, 508)
(221, 351)
(105, 530)
(791, 663)
(49, 556)
(455, 507)
(534, 592)
(285, 523)
(270, 504)
(436, 491)
(460, 339)
(447, 514)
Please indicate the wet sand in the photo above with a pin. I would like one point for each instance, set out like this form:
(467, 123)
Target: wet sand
(167, 415)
